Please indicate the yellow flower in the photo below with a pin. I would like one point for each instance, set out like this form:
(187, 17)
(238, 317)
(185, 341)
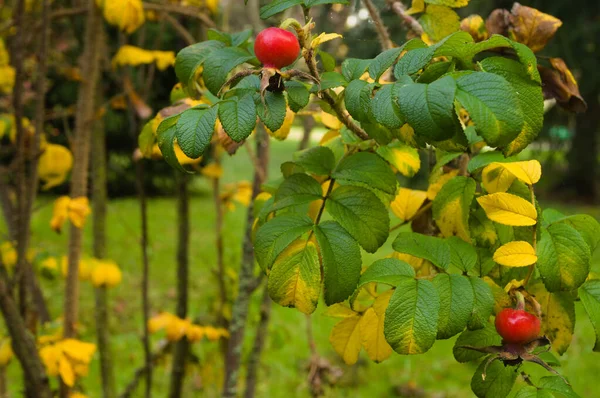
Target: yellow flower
(76, 209)
(176, 328)
(105, 273)
(8, 254)
(128, 15)
(84, 268)
(6, 352)
(68, 358)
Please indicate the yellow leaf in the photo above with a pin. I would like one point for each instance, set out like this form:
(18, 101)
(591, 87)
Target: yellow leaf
(159, 321)
(134, 56)
(105, 273)
(128, 15)
(475, 26)
(439, 21)
(54, 165)
(508, 209)
(78, 350)
(558, 316)
(496, 178)
(532, 27)
(328, 136)
(7, 79)
(529, 171)
(6, 352)
(285, 128)
(212, 170)
(345, 339)
(50, 355)
(79, 209)
(339, 310)
(371, 329)
(324, 37)
(515, 254)
(407, 135)
(8, 254)
(65, 370)
(435, 186)
(411, 260)
(330, 121)
(176, 328)
(403, 157)
(195, 333)
(416, 7)
(84, 268)
(407, 203)
(182, 158)
(59, 213)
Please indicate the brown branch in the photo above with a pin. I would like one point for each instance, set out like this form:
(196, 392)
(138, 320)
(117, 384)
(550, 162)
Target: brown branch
(221, 274)
(164, 349)
(189, 11)
(400, 9)
(179, 28)
(382, 32)
(262, 331)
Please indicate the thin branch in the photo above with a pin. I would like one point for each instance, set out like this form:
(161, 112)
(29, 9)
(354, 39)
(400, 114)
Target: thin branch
(179, 28)
(400, 9)
(417, 215)
(382, 32)
(189, 11)
(534, 243)
(262, 331)
(164, 349)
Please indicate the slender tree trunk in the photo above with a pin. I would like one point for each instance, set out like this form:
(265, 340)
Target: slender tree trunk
(181, 348)
(99, 200)
(239, 311)
(139, 168)
(221, 320)
(23, 343)
(307, 125)
(262, 331)
(3, 387)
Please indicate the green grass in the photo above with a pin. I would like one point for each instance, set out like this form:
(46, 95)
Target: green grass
(283, 370)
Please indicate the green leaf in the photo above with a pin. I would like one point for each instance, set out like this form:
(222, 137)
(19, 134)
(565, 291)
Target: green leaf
(439, 21)
(146, 139)
(484, 304)
(462, 254)
(277, 234)
(456, 303)
(192, 57)
(434, 71)
(459, 46)
(195, 128)
(451, 207)
(332, 80)
(529, 95)
(383, 61)
(403, 157)
(238, 117)
(385, 109)
(498, 382)
(430, 248)
(367, 168)
(524, 53)
(290, 168)
(485, 337)
(214, 34)
(389, 271)
(295, 279)
(557, 387)
(586, 225)
(297, 189)
(413, 61)
(220, 63)
(492, 105)
(357, 97)
(353, 68)
(411, 318)
(563, 258)
(318, 160)
(165, 137)
(327, 60)
(273, 112)
(362, 214)
(429, 108)
(312, 3)
(589, 293)
(341, 261)
(298, 95)
(378, 132)
(277, 6)
(239, 38)
(483, 159)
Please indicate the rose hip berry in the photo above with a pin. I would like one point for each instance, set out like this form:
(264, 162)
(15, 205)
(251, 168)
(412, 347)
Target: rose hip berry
(276, 48)
(517, 326)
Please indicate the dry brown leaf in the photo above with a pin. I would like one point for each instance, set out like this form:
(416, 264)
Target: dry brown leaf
(559, 83)
(498, 22)
(532, 27)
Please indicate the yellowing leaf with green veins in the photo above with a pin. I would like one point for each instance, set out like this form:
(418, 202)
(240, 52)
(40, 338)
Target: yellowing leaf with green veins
(128, 15)
(345, 339)
(406, 134)
(529, 171)
(371, 329)
(324, 37)
(407, 203)
(340, 310)
(411, 260)
(439, 21)
(403, 157)
(515, 254)
(508, 209)
(134, 56)
(451, 207)
(558, 316)
(295, 278)
(434, 187)
(496, 178)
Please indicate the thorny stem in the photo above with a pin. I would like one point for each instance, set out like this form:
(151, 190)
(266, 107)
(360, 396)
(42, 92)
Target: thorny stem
(382, 32)
(400, 9)
(417, 215)
(534, 243)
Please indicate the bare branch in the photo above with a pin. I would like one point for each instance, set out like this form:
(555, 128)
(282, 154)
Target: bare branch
(188, 11)
(400, 9)
(382, 32)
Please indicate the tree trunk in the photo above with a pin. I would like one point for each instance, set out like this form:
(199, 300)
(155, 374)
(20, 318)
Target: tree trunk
(307, 125)
(262, 331)
(180, 352)
(239, 311)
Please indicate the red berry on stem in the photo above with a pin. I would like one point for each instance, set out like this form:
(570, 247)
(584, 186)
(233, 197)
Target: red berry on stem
(517, 326)
(276, 48)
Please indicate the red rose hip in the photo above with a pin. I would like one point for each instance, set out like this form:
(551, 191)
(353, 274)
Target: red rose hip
(517, 326)
(276, 48)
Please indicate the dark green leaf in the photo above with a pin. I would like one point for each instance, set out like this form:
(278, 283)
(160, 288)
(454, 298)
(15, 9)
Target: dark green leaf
(413, 61)
(430, 248)
(383, 61)
(434, 72)
(586, 225)
(318, 160)
(312, 3)
(238, 117)
(498, 382)
(165, 137)
(484, 303)
(240, 38)
(327, 60)
(353, 68)
(220, 63)
(462, 255)
(389, 271)
(456, 303)
(298, 95)
(273, 112)
(481, 160)
(192, 57)
(369, 169)
(296, 190)
(589, 293)
(385, 109)
(332, 80)
(357, 97)
(195, 128)
(484, 337)
(277, 6)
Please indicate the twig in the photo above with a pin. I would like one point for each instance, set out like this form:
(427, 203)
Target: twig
(189, 11)
(221, 275)
(164, 349)
(382, 32)
(254, 160)
(400, 9)
(179, 28)
(262, 331)
(534, 243)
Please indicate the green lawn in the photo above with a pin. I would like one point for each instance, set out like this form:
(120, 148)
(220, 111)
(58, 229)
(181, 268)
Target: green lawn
(283, 371)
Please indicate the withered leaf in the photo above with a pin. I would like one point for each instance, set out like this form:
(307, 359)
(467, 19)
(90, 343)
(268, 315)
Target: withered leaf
(559, 83)
(532, 27)
(498, 22)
